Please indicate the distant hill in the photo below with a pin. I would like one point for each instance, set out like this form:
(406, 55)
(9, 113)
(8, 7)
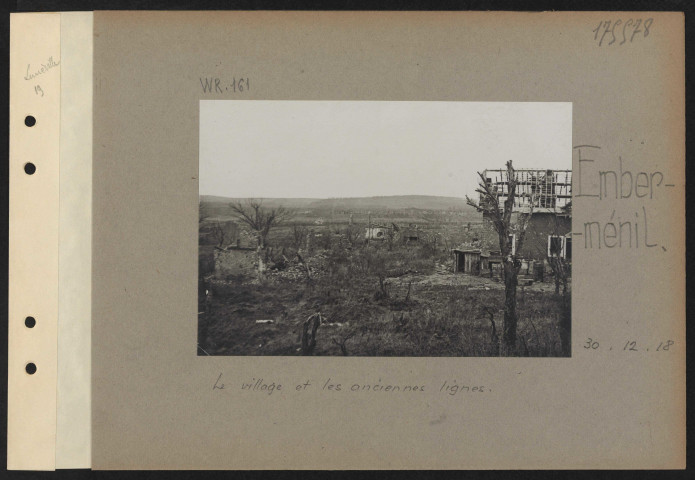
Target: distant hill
(268, 202)
(395, 202)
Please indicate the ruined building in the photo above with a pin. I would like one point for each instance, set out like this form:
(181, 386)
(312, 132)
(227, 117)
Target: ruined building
(548, 194)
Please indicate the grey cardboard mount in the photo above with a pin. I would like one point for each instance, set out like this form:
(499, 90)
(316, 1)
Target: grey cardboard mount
(153, 402)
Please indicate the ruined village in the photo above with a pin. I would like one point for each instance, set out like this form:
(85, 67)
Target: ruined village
(391, 276)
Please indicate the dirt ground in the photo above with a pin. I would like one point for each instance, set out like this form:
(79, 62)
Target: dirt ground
(438, 314)
(471, 281)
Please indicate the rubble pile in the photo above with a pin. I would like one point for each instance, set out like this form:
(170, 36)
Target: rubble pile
(296, 271)
(442, 268)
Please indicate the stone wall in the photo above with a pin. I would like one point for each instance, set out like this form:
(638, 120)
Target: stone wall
(206, 260)
(235, 262)
(540, 227)
(536, 241)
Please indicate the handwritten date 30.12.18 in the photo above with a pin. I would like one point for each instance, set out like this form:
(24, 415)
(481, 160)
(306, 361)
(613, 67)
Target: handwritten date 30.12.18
(631, 346)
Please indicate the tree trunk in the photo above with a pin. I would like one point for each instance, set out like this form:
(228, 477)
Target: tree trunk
(566, 323)
(557, 282)
(261, 263)
(308, 243)
(309, 336)
(510, 317)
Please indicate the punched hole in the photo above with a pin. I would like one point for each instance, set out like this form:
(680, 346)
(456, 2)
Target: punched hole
(30, 322)
(30, 368)
(29, 168)
(29, 121)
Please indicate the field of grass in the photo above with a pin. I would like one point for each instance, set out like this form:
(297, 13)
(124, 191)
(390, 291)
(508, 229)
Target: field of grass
(373, 301)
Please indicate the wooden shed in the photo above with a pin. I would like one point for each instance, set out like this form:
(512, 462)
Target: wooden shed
(484, 262)
(493, 264)
(467, 261)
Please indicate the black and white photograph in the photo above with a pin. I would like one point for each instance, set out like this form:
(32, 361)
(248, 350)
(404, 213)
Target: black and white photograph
(385, 228)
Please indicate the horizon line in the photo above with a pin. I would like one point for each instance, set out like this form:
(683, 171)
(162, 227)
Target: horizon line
(333, 198)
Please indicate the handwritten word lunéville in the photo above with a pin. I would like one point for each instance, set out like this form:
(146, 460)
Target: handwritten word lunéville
(45, 67)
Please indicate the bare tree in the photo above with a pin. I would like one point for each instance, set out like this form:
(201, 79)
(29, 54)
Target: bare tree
(311, 325)
(429, 241)
(341, 342)
(299, 234)
(561, 270)
(390, 236)
(554, 254)
(218, 233)
(352, 234)
(208, 225)
(259, 219)
(560, 265)
(501, 217)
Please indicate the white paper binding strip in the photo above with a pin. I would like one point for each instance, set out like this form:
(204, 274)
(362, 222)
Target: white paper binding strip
(73, 431)
(33, 239)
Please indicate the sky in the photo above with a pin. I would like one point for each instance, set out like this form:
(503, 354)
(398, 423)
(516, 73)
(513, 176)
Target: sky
(329, 149)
